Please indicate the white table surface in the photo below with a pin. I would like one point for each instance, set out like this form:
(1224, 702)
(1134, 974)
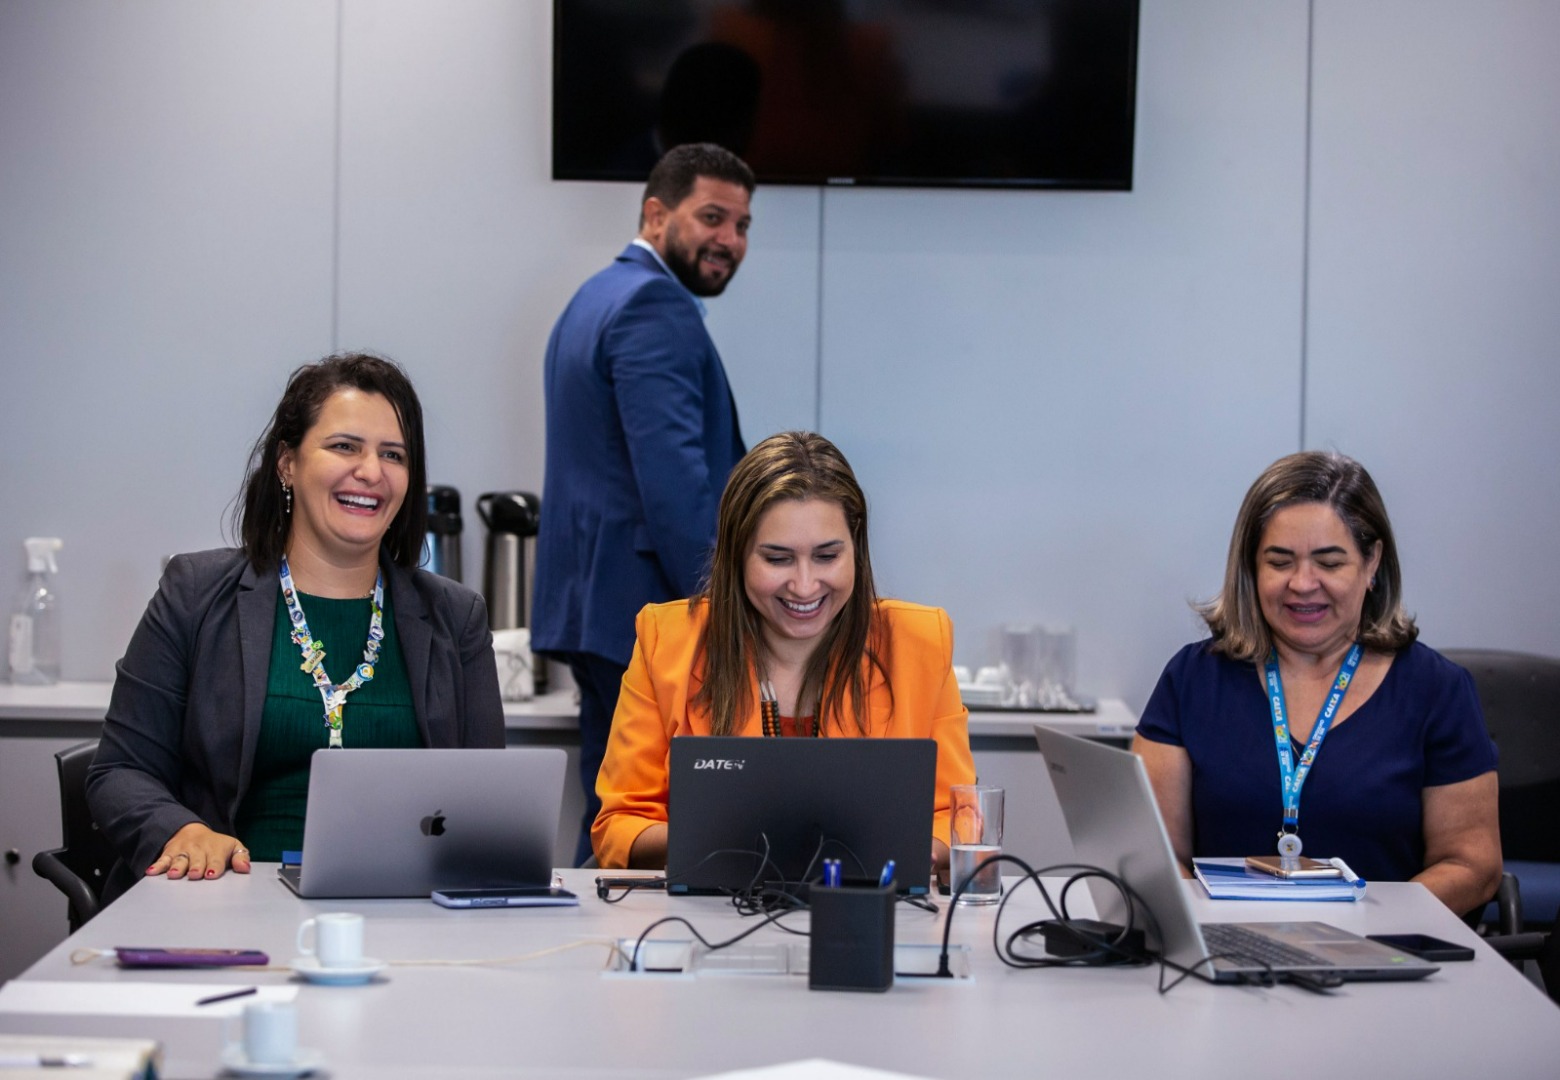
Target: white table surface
(556, 710)
(560, 1016)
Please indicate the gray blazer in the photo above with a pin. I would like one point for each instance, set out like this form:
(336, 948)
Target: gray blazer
(184, 720)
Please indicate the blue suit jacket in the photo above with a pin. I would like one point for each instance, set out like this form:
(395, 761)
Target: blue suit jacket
(641, 435)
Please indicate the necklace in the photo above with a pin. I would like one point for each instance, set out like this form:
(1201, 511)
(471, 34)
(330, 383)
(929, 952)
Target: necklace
(333, 695)
(769, 711)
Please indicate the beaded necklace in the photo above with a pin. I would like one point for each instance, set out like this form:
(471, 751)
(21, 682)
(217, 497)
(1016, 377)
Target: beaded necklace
(769, 711)
(313, 651)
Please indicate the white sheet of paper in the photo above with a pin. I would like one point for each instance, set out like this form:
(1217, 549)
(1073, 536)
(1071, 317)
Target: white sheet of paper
(131, 998)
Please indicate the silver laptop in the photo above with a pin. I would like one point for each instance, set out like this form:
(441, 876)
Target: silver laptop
(1114, 822)
(407, 822)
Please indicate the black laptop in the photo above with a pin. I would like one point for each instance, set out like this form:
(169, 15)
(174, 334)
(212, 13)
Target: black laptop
(748, 812)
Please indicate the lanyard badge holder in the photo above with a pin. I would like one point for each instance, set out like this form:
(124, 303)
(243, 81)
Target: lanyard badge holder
(1292, 776)
(333, 696)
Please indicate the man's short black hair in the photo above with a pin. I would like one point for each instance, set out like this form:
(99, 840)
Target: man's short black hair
(679, 169)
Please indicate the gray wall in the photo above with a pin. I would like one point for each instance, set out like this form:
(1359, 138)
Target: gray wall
(1343, 233)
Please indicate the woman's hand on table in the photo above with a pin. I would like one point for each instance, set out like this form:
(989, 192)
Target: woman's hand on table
(198, 853)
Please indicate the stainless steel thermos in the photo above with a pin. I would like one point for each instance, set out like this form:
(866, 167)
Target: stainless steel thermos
(441, 544)
(511, 518)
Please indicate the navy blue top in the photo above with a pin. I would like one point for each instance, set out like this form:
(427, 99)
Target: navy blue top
(1362, 801)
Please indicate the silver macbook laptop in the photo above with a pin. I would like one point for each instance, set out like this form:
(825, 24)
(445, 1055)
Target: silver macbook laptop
(1114, 822)
(407, 822)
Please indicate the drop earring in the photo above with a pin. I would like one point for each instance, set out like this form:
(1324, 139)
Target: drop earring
(287, 495)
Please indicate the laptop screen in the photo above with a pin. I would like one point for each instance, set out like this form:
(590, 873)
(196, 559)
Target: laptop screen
(744, 812)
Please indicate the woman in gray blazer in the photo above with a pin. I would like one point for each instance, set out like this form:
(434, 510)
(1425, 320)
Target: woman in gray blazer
(318, 632)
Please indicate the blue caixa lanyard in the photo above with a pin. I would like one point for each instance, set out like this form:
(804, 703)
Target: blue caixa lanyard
(1294, 776)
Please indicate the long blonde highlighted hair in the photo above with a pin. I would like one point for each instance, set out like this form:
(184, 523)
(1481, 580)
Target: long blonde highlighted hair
(791, 465)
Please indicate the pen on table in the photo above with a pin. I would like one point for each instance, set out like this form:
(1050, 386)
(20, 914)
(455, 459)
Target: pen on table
(214, 998)
(45, 1061)
(1343, 868)
(886, 878)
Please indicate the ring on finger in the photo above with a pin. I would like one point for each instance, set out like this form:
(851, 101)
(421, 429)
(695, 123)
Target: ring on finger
(180, 855)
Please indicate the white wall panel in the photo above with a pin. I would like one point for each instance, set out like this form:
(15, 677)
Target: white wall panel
(1435, 261)
(165, 209)
(1056, 400)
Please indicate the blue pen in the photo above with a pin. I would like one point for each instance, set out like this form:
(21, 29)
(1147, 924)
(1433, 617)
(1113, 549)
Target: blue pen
(886, 878)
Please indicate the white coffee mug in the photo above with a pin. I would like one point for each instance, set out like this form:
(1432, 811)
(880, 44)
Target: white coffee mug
(270, 1032)
(338, 939)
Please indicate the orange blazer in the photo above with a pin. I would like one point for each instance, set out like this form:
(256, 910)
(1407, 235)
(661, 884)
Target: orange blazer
(662, 679)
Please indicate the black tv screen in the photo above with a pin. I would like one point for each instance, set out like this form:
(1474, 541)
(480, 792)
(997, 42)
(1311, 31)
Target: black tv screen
(956, 93)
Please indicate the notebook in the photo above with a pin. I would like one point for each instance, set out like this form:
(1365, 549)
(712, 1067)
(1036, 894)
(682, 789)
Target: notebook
(862, 801)
(1114, 822)
(407, 822)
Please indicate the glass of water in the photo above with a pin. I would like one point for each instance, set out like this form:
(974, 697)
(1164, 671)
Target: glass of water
(976, 834)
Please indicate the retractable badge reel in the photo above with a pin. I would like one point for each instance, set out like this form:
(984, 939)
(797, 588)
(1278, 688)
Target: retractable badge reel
(1289, 851)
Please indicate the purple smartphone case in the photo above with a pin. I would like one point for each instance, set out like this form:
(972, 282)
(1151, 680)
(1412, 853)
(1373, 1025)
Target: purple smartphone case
(189, 958)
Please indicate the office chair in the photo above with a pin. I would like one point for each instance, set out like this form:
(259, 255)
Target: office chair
(1542, 948)
(80, 868)
(1520, 694)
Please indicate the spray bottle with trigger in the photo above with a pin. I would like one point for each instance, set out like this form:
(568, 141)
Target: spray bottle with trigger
(35, 621)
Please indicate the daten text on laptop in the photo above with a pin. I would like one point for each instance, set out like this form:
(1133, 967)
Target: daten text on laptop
(407, 822)
(1114, 822)
(862, 801)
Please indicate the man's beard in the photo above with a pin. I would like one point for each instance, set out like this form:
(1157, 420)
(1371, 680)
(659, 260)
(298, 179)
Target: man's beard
(686, 270)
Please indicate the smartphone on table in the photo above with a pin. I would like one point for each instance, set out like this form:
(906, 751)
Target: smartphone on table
(1305, 868)
(1424, 946)
(507, 896)
(135, 957)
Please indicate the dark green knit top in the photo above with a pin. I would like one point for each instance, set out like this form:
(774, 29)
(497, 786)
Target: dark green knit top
(292, 726)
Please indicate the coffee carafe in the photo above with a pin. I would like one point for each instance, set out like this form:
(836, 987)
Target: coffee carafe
(441, 544)
(512, 519)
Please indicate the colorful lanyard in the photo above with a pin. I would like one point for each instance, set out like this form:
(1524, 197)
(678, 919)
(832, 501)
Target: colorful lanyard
(334, 697)
(1293, 777)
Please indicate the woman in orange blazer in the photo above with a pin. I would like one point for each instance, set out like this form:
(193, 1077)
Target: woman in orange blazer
(788, 638)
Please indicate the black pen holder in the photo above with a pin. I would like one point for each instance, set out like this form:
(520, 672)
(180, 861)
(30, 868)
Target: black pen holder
(852, 945)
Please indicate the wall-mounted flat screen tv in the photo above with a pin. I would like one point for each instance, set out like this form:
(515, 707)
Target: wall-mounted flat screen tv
(943, 93)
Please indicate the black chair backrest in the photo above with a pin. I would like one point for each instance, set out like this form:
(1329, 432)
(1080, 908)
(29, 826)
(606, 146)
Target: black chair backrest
(86, 851)
(1520, 694)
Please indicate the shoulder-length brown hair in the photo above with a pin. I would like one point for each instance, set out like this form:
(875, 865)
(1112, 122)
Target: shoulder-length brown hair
(259, 519)
(1314, 476)
(791, 465)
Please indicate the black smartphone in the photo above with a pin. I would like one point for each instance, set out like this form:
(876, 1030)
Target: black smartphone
(514, 896)
(1424, 946)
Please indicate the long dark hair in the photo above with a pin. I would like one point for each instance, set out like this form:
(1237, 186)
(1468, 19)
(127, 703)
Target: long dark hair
(259, 519)
(791, 465)
(1234, 617)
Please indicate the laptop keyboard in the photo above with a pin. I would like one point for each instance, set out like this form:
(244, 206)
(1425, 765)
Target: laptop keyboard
(1241, 943)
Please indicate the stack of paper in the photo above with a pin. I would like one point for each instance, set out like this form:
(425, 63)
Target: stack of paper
(1228, 879)
(79, 1058)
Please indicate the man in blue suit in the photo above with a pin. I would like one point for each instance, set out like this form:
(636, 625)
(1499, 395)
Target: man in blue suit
(641, 434)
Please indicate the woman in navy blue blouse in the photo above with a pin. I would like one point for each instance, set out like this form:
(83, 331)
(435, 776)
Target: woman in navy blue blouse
(1389, 763)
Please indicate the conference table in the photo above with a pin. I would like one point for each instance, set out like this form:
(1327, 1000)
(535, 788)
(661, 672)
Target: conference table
(532, 993)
